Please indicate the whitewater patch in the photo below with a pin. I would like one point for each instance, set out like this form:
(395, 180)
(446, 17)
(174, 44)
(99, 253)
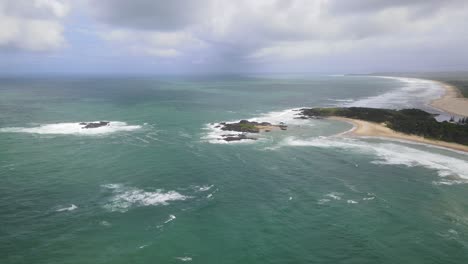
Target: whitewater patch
(71, 208)
(412, 93)
(184, 259)
(171, 218)
(334, 195)
(126, 197)
(214, 135)
(288, 117)
(393, 154)
(72, 129)
(204, 188)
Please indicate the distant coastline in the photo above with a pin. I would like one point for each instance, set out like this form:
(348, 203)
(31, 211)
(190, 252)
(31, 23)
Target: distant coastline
(455, 84)
(452, 102)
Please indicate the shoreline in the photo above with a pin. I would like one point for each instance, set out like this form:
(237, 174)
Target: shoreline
(369, 129)
(452, 102)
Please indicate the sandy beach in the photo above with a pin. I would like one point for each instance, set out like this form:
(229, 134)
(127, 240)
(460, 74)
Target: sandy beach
(452, 102)
(369, 129)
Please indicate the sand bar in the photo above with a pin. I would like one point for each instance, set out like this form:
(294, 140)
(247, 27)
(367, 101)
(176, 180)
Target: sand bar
(369, 129)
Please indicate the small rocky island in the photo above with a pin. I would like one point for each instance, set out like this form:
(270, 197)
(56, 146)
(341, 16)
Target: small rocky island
(246, 127)
(94, 124)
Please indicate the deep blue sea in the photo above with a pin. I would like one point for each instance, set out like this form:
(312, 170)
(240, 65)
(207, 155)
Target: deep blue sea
(158, 186)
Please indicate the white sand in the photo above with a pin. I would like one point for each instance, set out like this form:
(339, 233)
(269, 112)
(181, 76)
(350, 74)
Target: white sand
(364, 128)
(452, 102)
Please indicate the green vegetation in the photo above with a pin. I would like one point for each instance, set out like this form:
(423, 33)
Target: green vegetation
(409, 121)
(247, 127)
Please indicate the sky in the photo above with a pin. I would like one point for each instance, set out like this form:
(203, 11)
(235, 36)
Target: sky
(226, 36)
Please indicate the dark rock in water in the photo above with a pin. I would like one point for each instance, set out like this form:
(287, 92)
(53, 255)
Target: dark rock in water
(244, 126)
(95, 124)
(301, 117)
(237, 137)
(83, 123)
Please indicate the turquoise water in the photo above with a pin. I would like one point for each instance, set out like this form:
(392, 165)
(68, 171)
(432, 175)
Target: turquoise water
(158, 187)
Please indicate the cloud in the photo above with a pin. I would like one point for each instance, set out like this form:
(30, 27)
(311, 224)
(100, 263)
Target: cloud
(245, 34)
(154, 43)
(158, 15)
(366, 6)
(266, 28)
(32, 25)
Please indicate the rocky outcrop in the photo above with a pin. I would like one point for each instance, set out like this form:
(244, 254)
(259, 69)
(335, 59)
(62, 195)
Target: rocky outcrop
(234, 137)
(94, 124)
(246, 126)
(242, 126)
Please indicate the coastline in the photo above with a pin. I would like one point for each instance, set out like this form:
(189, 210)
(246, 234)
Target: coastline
(452, 102)
(369, 129)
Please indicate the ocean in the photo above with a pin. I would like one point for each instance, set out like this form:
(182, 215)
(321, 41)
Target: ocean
(158, 186)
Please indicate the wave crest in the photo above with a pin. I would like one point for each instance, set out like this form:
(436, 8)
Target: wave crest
(392, 154)
(72, 129)
(127, 197)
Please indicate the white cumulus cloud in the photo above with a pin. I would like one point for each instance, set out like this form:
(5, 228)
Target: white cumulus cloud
(33, 25)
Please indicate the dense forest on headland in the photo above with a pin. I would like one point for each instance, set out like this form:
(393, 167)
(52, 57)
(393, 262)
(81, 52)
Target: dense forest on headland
(409, 121)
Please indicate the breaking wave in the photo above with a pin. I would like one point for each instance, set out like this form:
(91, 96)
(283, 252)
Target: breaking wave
(126, 197)
(71, 208)
(413, 93)
(72, 129)
(392, 154)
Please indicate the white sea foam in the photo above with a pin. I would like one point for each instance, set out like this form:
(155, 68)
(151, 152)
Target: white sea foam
(184, 259)
(288, 116)
(70, 208)
(72, 129)
(126, 197)
(105, 223)
(329, 197)
(323, 201)
(214, 133)
(204, 188)
(334, 195)
(411, 93)
(171, 218)
(351, 202)
(113, 186)
(392, 154)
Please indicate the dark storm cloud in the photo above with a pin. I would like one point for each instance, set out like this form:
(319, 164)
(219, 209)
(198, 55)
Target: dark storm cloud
(149, 14)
